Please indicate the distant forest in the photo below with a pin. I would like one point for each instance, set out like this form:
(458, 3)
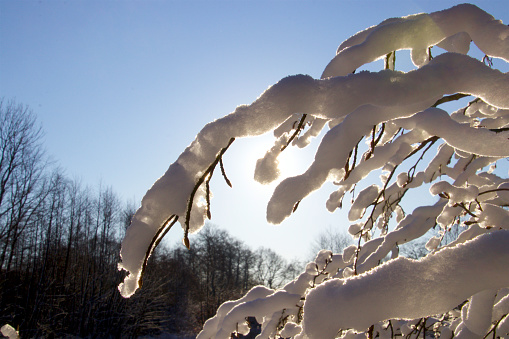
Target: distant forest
(59, 249)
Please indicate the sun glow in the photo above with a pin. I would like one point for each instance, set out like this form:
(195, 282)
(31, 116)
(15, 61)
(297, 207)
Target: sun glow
(292, 161)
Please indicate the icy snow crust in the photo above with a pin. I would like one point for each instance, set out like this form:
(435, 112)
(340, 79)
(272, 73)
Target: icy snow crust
(397, 114)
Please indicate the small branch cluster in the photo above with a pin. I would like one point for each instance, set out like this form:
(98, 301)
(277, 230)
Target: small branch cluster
(207, 175)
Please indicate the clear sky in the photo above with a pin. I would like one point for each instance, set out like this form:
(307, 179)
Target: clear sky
(122, 87)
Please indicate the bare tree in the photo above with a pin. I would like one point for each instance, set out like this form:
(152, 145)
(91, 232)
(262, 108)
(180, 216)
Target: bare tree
(271, 269)
(21, 170)
(331, 239)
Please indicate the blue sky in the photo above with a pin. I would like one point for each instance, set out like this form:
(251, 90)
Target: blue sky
(122, 87)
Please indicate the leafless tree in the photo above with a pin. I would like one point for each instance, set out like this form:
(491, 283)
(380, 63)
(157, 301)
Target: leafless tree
(271, 269)
(22, 162)
(332, 239)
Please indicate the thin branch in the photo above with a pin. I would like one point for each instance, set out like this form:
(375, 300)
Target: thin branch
(470, 104)
(380, 133)
(323, 271)
(200, 181)
(355, 150)
(422, 145)
(347, 165)
(161, 232)
(349, 169)
(390, 60)
(228, 182)
(469, 162)
(207, 194)
(499, 130)
(295, 206)
(371, 218)
(297, 131)
(449, 98)
(431, 142)
(357, 251)
(372, 144)
(487, 60)
(494, 190)
(494, 328)
(462, 205)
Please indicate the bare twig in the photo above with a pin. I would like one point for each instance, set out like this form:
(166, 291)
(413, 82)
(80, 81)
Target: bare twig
(200, 181)
(297, 131)
(349, 169)
(487, 60)
(207, 194)
(499, 130)
(390, 60)
(381, 195)
(228, 182)
(462, 205)
(470, 104)
(422, 145)
(431, 141)
(494, 190)
(161, 232)
(380, 133)
(295, 206)
(374, 141)
(494, 328)
(449, 98)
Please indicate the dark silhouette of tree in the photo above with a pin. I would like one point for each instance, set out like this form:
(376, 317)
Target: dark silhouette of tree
(21, 172)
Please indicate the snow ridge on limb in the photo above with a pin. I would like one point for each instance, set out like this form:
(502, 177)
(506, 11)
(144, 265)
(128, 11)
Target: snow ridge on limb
(417, 33)
(408, 289)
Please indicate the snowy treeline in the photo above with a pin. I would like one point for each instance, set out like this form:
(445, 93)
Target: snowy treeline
(389, 121)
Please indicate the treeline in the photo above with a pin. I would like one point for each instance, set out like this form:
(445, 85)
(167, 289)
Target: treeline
(59, 249)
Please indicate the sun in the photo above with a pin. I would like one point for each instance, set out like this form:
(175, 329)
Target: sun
(293, 161)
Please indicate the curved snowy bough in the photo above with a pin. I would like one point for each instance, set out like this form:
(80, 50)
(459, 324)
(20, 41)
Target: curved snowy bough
(452, 29)
(398, 116)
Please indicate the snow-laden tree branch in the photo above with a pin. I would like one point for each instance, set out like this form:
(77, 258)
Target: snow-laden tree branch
(440, 282)
(460, 287)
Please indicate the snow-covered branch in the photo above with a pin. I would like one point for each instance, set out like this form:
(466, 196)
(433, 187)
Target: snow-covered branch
(408, 289)
(401, 119)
